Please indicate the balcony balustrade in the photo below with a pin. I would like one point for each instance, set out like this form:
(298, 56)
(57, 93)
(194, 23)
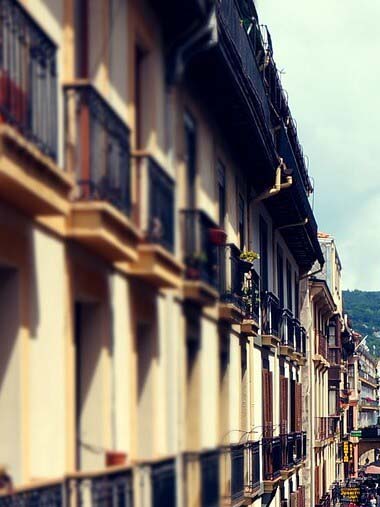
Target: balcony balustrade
(97, 147)
(288, 451)
(163, 484)
(52, 495)
(367, 378)
(272, 454)
(298, 444)
(367, 402)
(200, 257)
(237, 472)
(238, 286)
(271, 319)
(210, 478)
(326, 427)
(253, 468)
(28, 78)
(325, 501)
(304, 445)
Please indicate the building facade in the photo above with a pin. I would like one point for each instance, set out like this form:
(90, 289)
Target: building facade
(161, 332)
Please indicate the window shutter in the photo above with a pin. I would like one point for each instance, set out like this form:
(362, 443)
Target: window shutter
(284, 383)
(268, 403)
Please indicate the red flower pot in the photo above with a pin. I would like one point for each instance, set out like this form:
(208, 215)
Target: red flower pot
(217, 236)
(115, 458)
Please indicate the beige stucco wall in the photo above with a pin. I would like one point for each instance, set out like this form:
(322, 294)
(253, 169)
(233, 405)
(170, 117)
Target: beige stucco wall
(209, 384)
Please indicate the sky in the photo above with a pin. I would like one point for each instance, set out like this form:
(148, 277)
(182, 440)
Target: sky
(328, 53)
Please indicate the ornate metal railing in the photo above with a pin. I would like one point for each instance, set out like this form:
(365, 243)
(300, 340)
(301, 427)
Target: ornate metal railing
(231, 277)
(52, 495)
(160, 227)
(253, 466)
(270, 314)
(237, 472)
(97, 147)
(28, 77)
(164, 483)
(287, 329)
(287, 451)
(298, 447)
(201, 258)
(100, 489)
(210, 478)
(272, 454)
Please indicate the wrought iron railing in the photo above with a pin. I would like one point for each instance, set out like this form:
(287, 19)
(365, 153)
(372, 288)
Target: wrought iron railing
(326, 427)
(304, 445)
(100, 489)
(164, 484)
(237, 472)
(287, 329)
(298, 447)
(210, 478)
(201, 258)
(272, 454)
(52, 495)
(160, 213)
(287, 451)
(253, 466)
(238, 282)
(28, 77)
(97, 147)
(334, 355)
(270, 314)
(231, 277)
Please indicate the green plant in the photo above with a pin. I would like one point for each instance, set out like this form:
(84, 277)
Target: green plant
(249, 256)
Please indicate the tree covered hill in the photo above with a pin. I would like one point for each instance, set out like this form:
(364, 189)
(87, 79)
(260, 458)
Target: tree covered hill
(364, 310)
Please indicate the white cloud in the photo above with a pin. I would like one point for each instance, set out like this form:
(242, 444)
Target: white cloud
(329, 52)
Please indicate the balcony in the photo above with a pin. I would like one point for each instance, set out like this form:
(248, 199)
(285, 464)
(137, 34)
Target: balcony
(300, 342)
(29, 176)
(287, 455)
(100, 488)
(200, 258)
(252, 488)
(237, 473)
(155, 216)
(287, 334)
(270, 319)
(163, 478)
(209, 468)
(238, 285)
(304, 445)
(272, 455)
(367, 403)
(97, 152)
(320, 356)
(325, 429)
(325, 501)
(50, 494)
(369, 379)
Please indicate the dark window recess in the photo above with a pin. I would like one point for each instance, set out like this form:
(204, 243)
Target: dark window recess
(81, 20)
(191, 160)
(28, 78)
(264, 254)
(289, 282)
(161, 207)
(221, 170)
(297, 297)
(139, 99)
(280, 276)
(241, 222)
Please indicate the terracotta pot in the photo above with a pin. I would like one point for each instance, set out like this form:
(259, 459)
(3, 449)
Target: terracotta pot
(115, 458)
(217, 236)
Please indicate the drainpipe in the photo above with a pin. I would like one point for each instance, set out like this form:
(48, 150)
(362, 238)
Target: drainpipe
(278, 186)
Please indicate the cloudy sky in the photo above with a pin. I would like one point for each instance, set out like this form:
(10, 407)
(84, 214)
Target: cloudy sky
(329, 52)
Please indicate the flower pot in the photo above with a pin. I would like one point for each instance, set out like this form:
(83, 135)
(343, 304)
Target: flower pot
(217, 236)
(115, 458)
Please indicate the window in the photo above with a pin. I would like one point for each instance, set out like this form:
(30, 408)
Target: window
(221, 173)
(191, 160)
(139, 80)
(264, 254)
(81, 21)
(280, 276)
(241, 222)
(296, 297)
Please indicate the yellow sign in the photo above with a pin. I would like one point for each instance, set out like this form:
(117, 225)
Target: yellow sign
(348, 452)
(352, 494)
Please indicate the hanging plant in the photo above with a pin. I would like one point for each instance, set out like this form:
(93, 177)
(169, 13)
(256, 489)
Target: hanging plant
(249, 256)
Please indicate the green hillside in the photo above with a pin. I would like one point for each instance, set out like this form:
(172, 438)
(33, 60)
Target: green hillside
(364, 310)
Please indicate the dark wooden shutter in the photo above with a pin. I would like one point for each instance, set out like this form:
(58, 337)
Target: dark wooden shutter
(284, 385)
(316, 483)
(298, 407)
(268, 403)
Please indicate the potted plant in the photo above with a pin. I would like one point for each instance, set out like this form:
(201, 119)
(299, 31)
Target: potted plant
(247, 259)
(217, 236)
(115, 458)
